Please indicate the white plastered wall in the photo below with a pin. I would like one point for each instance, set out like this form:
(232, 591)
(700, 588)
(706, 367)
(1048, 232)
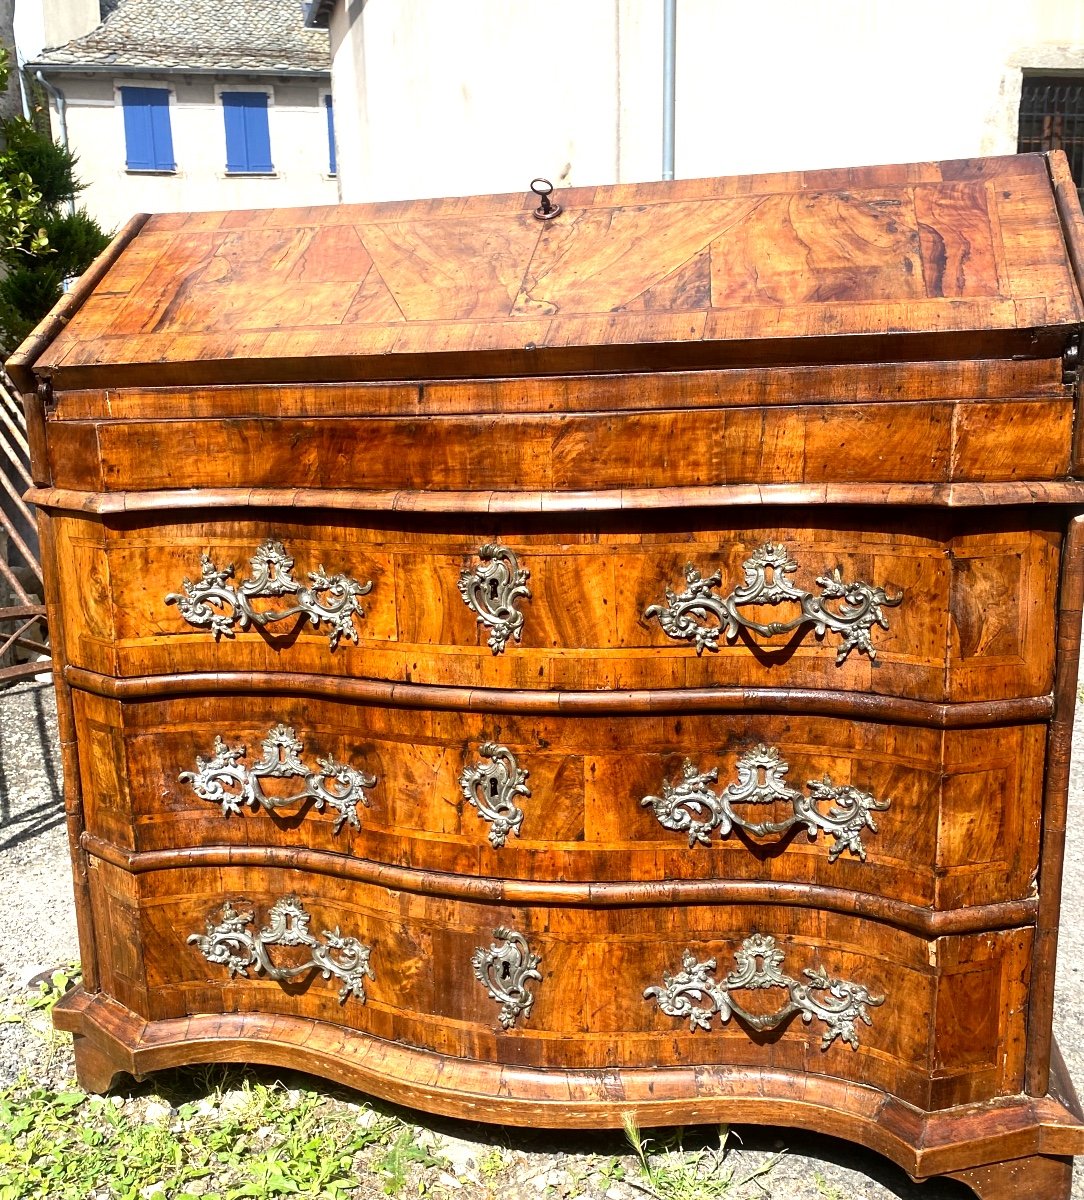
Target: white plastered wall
(299, 148)
(440, 99)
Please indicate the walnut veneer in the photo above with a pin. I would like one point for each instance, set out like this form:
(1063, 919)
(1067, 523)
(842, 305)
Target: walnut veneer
(543, 671)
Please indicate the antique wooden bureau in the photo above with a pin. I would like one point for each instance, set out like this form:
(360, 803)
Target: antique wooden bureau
(545, 665)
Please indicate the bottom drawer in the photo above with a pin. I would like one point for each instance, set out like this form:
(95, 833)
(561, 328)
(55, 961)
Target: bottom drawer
(936, 1022)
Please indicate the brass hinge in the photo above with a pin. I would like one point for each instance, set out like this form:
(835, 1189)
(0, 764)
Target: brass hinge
(1070, 361)
(45, 393)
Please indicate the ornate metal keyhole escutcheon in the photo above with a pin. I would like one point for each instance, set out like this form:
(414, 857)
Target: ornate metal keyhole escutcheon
(505, 970)
(491, 590)
(230, 944)
(492, 787)
(213, 602)
(691, 805)
(699, 616)
(226, 780)
(695, 993)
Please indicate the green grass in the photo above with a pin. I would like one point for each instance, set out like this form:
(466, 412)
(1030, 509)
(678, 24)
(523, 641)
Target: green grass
(667, 1171)
(261, 1140)
(228, 1133)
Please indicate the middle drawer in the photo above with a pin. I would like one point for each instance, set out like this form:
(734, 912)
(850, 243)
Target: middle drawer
(926, 817)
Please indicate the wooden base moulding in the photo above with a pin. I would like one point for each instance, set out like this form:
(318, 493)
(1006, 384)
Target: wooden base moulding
(1019, 1138)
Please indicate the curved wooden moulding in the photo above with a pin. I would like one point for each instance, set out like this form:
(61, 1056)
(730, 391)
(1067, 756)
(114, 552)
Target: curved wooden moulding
(814, 701)
(934, 495)
(110, 1040)
(1004, 915)
(929, 820)
(963, 606)
(582, 981)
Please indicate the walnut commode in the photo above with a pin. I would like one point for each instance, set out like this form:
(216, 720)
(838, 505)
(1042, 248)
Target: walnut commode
(539, 671)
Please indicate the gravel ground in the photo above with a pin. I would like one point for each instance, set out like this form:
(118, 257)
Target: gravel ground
(37, 932)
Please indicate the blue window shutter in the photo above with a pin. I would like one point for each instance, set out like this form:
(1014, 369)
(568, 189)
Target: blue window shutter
(248, 140)
(330, 135)
(148, 138)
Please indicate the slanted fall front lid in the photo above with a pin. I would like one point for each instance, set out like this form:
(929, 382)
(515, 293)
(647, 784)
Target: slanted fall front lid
(780, 268)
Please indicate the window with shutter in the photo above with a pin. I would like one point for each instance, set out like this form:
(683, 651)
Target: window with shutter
(248, 141)
(148, 139)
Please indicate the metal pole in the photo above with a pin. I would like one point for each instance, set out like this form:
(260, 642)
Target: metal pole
(669, 73)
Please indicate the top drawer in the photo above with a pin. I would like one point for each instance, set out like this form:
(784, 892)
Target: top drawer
(985, 420)
(925, 604)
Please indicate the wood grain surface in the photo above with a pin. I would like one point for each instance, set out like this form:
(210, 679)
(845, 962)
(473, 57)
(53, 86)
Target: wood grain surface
(928, 442)
(961, 829)
(589, 1010)
(974, 622)
(873, 368)
(694, 270)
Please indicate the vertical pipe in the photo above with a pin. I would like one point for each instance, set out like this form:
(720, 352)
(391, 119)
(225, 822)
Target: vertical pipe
(669, 56)
(62, 118)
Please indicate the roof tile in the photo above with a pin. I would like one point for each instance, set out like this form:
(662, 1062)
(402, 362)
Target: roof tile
(226, 35)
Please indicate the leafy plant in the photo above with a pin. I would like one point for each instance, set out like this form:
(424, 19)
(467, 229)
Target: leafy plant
(492, 1164)
(50, 991)
(610, 1172)
(52, 168)
(44, 999)
(27, 292)
(828, 1190)
(75, 237)
(669, 1172)
(398, 1157)
(41, 245)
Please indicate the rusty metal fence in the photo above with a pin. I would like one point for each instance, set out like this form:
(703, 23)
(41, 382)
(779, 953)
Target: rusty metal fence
(22, 613)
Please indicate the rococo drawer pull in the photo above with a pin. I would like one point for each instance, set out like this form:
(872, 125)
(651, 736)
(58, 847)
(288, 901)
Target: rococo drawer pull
(688, 615)
(836, 1002)
(692, 805)
(491, 589)
(491, 787)
(229, 943)
(271, 577)
(333, 784)
(504, 971)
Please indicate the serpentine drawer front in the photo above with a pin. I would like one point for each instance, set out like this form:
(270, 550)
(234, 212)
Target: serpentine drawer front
(928, 817)
(921, 606)
(408, 968)
(542, 671)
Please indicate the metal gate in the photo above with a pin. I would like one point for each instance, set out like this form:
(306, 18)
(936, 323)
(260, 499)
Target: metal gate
(21, 590)
(1052, 118)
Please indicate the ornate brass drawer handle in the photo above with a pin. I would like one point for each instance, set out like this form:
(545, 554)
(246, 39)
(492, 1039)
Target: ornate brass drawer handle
(202, 601)
(230, 944)
(491, 787)
(692, 805)
(688, 615)
(504, 971)
(491, 589)
(836, 1002)
(225, 780)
